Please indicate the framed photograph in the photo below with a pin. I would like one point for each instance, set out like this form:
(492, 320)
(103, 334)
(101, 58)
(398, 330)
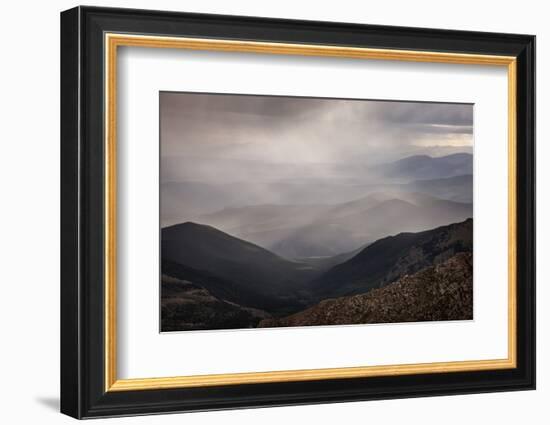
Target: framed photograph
(261, 212)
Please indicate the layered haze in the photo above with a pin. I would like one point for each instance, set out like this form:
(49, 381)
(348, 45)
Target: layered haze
(226, 151)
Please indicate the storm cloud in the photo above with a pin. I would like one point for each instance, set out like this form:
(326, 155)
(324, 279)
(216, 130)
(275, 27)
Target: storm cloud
(283, 129)
(249, 141)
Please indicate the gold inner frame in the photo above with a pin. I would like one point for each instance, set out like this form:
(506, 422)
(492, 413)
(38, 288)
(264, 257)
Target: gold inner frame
(113, 41)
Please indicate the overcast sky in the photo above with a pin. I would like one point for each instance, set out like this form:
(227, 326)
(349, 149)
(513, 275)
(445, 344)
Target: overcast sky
(304, 130)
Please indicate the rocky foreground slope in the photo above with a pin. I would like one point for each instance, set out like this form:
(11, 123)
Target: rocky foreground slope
(440, 292)
(189, 306)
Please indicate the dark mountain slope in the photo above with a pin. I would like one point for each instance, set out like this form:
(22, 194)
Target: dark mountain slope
(440, 292)
(251, 269)
(186, 305)
(385, 260)
(219, 287)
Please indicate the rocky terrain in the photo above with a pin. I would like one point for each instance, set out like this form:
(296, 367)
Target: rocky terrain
(440, 292)
(188, 306)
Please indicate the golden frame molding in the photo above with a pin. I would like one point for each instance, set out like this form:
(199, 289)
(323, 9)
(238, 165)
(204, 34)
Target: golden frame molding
(114, 40)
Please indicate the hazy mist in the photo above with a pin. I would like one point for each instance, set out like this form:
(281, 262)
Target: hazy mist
(230, 151)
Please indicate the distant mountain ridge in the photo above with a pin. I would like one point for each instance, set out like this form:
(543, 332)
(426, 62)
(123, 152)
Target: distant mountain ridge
(191, 198)
(297, 231)
(419, 167)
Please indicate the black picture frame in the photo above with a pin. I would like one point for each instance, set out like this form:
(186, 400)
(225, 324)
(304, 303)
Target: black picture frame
(83, 392)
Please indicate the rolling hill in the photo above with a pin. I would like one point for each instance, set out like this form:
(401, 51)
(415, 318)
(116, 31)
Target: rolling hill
(348, 227)
(298, 231)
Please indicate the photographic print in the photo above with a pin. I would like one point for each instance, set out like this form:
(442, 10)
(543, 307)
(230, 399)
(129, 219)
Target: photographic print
(281, 211)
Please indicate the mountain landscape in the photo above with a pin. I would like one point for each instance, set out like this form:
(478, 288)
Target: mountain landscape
(285, 211)
(329, 187)
(265, 265)
(239, 282)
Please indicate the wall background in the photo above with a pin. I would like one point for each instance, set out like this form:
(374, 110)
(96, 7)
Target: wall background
(29, 225)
